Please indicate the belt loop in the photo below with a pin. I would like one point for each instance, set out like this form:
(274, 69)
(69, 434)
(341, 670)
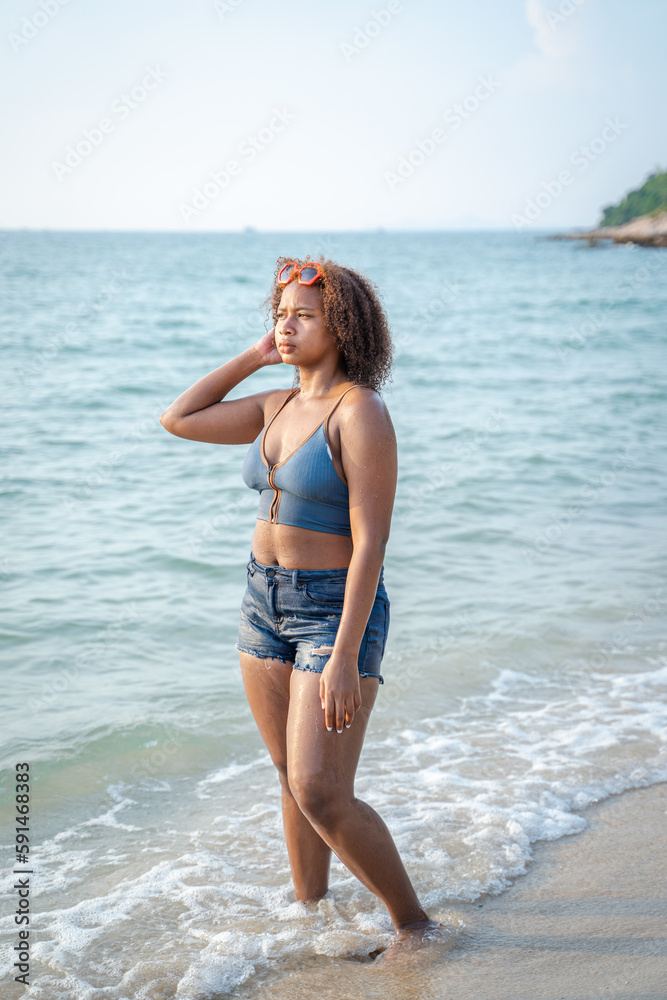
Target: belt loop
(295, 577)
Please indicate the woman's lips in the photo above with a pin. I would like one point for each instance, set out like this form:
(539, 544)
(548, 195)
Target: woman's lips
(286, 347)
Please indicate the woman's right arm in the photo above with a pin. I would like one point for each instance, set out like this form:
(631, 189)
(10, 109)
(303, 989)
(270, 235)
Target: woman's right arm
(202, 414)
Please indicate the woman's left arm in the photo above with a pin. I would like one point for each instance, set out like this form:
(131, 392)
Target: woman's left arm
(369, 458)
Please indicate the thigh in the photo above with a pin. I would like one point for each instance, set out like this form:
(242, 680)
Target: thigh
(267, 686)
(314, 753)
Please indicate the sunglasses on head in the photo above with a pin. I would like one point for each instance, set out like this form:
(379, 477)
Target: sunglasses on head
(307, 274)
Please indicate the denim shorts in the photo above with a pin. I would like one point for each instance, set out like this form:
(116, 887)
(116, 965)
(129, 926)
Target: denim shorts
(291, 613)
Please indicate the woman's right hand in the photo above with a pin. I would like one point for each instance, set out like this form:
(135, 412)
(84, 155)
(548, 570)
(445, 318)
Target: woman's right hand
(267, 350)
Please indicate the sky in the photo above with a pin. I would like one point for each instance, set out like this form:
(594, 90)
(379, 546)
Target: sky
(220, 115)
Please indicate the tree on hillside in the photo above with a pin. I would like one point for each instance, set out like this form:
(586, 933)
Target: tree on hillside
(650, 198)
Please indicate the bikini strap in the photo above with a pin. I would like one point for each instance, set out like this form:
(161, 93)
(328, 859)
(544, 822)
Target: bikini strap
(287, 398)
(270, 421)
(326, 419)
(298, 389)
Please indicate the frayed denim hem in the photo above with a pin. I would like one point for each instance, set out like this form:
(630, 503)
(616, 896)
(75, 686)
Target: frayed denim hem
(264, 656)
(367, 673)
(314, 670)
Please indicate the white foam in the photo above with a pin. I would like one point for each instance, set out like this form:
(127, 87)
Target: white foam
(108, 818)
(230, 771)
(466, 794)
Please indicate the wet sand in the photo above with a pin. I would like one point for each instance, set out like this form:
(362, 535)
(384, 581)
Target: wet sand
(589, 919)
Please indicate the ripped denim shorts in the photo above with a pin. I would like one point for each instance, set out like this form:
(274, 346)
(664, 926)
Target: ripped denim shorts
(292, 613)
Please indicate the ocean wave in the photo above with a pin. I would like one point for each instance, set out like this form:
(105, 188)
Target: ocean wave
(466, 794)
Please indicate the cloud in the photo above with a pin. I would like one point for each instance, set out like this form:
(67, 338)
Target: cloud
(552, 38)
(559, 62)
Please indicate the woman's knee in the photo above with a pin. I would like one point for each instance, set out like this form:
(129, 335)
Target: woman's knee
(281, 767)
(323, 802)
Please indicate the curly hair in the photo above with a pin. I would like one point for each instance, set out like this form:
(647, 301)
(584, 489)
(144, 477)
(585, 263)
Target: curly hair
(355, 318)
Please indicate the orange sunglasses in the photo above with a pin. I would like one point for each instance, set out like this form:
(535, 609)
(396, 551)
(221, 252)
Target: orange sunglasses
(306, 275)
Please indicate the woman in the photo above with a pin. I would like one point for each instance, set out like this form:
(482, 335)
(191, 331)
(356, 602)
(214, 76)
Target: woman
(315, 614)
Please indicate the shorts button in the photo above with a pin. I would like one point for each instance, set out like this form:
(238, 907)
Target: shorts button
(270, 572)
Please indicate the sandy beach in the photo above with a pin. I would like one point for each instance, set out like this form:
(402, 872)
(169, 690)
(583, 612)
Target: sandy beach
(587, 920)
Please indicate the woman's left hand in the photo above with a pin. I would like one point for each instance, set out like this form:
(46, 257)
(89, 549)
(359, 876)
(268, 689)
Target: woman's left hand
(340, 693)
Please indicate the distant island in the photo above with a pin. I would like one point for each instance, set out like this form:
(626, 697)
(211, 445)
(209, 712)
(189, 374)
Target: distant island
(641, 217)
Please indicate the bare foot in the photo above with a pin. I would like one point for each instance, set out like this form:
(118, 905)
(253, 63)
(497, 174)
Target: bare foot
(425, 934)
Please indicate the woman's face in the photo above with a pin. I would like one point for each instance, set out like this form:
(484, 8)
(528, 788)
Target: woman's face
(300, 324)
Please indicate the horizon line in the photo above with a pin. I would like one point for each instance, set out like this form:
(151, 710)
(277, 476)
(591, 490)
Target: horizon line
(253, 231)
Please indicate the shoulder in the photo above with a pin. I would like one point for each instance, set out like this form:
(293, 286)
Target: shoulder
(272, 399)
(363, 399)
(363, 413)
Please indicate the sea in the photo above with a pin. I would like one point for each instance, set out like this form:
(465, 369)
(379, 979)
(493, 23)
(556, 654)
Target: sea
(526, 664)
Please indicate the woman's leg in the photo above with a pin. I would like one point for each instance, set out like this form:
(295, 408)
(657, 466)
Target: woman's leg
(321, 767)
(268, 693)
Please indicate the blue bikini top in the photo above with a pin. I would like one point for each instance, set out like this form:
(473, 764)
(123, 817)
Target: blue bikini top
(305, 489)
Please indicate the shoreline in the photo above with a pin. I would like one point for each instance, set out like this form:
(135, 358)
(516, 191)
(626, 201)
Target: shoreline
(644, 231)
(587, 919)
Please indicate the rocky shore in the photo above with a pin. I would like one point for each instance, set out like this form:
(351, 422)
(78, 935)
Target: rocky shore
(645, 230)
